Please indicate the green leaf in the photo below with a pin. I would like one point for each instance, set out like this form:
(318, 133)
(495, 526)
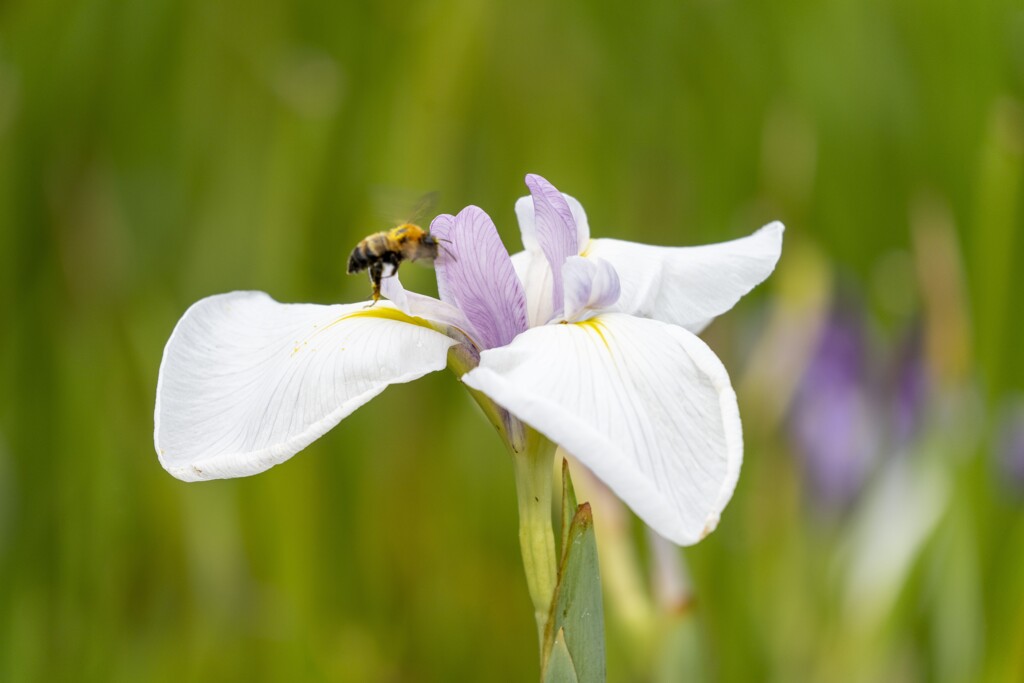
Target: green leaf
(568, 505)
(560, 668)
(576, 620)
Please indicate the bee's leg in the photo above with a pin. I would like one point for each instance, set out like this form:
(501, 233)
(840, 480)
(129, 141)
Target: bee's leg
(376, 271)
(393, 272)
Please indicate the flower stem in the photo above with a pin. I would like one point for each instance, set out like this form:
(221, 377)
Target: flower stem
(532, 458)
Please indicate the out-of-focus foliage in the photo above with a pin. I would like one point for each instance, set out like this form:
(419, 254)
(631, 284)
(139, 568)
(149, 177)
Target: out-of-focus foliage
(152, 153)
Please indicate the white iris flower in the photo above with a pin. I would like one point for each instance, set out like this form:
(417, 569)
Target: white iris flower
(590, 342)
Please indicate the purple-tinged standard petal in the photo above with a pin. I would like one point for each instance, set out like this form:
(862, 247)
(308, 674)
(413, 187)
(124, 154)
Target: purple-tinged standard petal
(475, 274)
(441, 227)
(590, 285)
(528, 226)
(556, 230)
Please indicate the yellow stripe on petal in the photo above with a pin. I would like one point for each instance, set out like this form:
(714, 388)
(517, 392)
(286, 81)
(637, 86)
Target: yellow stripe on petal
(594, 325)
(388, 313)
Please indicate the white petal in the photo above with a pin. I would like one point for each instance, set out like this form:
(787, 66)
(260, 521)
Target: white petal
(247, 382)
(582, 227)
(645, 405)
(521, 261)
(535, 274)
(427, 307)
(689, 286)
(528, 227)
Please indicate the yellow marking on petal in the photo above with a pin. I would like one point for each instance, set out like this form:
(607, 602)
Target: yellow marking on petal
(386, 314)
(586, 250)
(597, 327)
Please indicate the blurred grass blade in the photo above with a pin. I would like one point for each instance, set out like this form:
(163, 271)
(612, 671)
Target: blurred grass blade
(560, 668)
(576, 622)
(996, 226)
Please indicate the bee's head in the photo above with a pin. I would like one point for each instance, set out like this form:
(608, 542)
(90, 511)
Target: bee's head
(436, 244)
(425, 248)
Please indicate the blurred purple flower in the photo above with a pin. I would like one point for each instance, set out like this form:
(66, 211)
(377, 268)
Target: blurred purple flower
(835, 431)
(852, 405)
(1010, 446)
(910, 388)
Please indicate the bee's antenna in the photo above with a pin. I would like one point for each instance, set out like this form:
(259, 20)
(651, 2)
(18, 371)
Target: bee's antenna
(446, 250)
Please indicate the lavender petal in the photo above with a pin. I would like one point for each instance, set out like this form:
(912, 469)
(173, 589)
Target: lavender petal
(556, 230)
(475, 274)
(528, 227)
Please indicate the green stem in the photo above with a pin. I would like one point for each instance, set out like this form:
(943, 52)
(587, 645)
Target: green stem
(532, 458)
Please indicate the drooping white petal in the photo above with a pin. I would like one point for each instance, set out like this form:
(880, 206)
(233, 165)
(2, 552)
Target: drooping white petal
(689, 286)
(247, 382)
(647, 406)
(591, 284)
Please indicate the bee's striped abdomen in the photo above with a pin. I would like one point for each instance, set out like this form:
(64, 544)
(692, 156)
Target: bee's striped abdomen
(367, 252)
(357, 260)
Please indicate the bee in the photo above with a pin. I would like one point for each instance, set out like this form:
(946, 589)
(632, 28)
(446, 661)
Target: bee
(407, 242)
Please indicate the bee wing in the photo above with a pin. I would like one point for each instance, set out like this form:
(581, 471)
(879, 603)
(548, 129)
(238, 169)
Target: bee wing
(394, 206)
(423, 208)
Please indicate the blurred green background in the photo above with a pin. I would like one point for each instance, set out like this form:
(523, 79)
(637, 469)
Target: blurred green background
(157, 152)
